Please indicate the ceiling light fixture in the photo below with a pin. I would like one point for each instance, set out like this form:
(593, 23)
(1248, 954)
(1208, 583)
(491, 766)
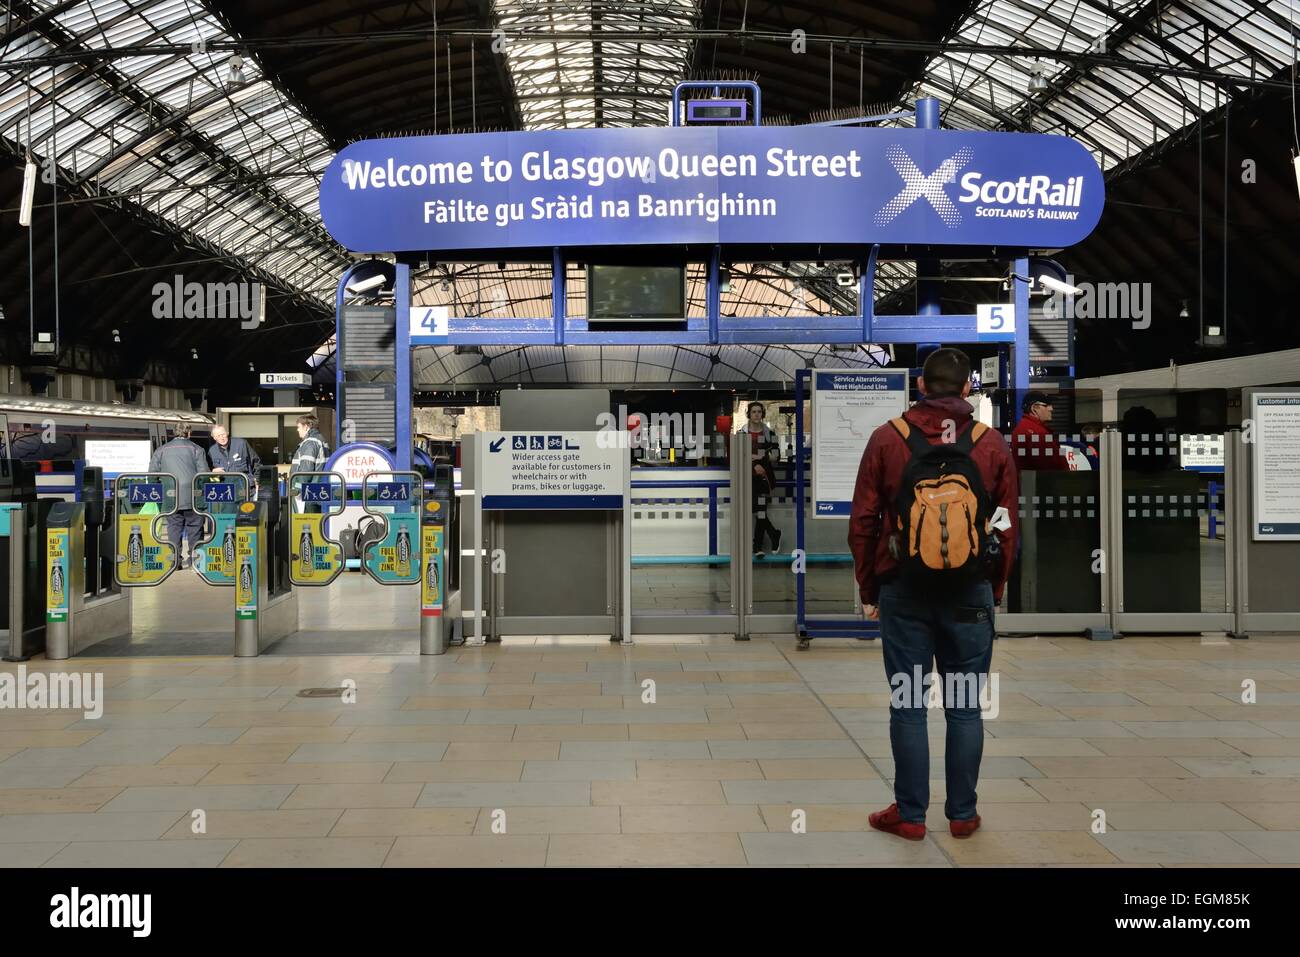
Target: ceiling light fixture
(29, 193)
(1037, 78)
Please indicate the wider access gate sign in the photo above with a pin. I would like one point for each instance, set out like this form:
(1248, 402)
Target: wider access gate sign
(746, 185)
(554, 470)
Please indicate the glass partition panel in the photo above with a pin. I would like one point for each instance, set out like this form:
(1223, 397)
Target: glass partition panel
(1057, 454)
(681, 535)
(1172, 499)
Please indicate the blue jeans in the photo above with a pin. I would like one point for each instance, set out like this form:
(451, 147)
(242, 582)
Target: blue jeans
(955, 628)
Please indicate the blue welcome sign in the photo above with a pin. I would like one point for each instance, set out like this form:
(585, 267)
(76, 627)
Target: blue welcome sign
(752, 185)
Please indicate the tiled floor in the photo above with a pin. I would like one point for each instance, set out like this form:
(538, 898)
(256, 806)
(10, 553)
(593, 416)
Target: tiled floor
(542, 752)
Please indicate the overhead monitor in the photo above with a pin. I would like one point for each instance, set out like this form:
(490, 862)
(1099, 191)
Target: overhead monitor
(717, 111)
(636, 293)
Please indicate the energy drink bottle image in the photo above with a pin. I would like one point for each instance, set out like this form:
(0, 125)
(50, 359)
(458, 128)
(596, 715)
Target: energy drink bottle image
(135, 551)
(228, 550)
(431, 583)
(246, 579)
(56, 583)
(305, 553)
(403, 552)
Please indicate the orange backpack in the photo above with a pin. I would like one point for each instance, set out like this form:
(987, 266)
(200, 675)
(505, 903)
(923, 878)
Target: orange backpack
(942, 507)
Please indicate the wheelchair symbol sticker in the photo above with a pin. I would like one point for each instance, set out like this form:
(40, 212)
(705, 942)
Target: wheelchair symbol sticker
(519, 442)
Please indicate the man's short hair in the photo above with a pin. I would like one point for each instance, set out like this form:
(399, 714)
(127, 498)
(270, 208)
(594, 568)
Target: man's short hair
(307, 420)
(946, 372)
(181, 432)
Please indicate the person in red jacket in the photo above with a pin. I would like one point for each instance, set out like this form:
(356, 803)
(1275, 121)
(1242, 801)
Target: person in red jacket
(1033, 443)
(918, 625)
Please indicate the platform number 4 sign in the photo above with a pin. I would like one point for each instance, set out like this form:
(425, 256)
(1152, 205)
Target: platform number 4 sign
(429, 321)
(995, 317)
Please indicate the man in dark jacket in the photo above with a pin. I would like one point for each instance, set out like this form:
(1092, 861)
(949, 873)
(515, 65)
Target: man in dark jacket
(918, 625)
(183, 459)
(311, 454)
(233, 455)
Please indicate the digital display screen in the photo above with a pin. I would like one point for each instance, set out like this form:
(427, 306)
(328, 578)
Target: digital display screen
(636, 292)
(716, 112)
(723, 111)
(116, 456)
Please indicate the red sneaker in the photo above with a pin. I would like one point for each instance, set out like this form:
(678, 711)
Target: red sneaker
(964, 828)
(889, 822)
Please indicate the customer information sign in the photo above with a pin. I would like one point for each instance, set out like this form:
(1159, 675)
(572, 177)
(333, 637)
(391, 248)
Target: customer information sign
(783, 185)
(1276, 450)
(848, 405)
(545, 470)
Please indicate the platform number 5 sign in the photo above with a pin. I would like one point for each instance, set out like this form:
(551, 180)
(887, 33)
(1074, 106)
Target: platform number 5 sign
(994, 318)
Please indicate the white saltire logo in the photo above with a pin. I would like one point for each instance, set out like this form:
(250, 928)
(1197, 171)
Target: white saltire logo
(916, 184)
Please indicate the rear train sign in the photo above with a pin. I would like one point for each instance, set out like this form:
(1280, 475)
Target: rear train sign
(780, 185)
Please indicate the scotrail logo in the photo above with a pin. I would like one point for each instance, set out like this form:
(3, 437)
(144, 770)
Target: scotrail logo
(917, 184)
(1027, 197)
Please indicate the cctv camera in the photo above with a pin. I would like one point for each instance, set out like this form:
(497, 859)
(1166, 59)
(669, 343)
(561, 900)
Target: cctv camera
(366, 285)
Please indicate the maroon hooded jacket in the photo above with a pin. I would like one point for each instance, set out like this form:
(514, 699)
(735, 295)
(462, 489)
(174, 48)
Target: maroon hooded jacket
(881, 472)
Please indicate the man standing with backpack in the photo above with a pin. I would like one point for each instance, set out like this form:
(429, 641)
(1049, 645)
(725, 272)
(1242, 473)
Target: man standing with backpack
(933, 535)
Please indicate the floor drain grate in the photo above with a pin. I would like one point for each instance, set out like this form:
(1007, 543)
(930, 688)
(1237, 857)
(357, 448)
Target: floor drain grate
(321, 692)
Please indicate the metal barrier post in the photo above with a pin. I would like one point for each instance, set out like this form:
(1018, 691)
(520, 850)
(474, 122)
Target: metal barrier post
(15, 518)
(261, 618)
(434, 625)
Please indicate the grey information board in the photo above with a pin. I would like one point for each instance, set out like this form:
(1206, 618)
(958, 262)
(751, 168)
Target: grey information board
(369, 335)
(1275, 455)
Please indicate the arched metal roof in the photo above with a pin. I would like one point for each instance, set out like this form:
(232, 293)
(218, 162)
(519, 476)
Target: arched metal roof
(140, 104)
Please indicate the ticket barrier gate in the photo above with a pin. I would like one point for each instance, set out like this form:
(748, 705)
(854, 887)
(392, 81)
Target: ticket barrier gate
(75, 618)
(409, 549)
(266, 606)
(143, 559)
(54, 566)
(21, 533)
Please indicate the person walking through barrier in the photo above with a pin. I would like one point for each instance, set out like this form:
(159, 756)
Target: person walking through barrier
(932, 532)
(183, 459)
(310, 456)
(765, 450)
